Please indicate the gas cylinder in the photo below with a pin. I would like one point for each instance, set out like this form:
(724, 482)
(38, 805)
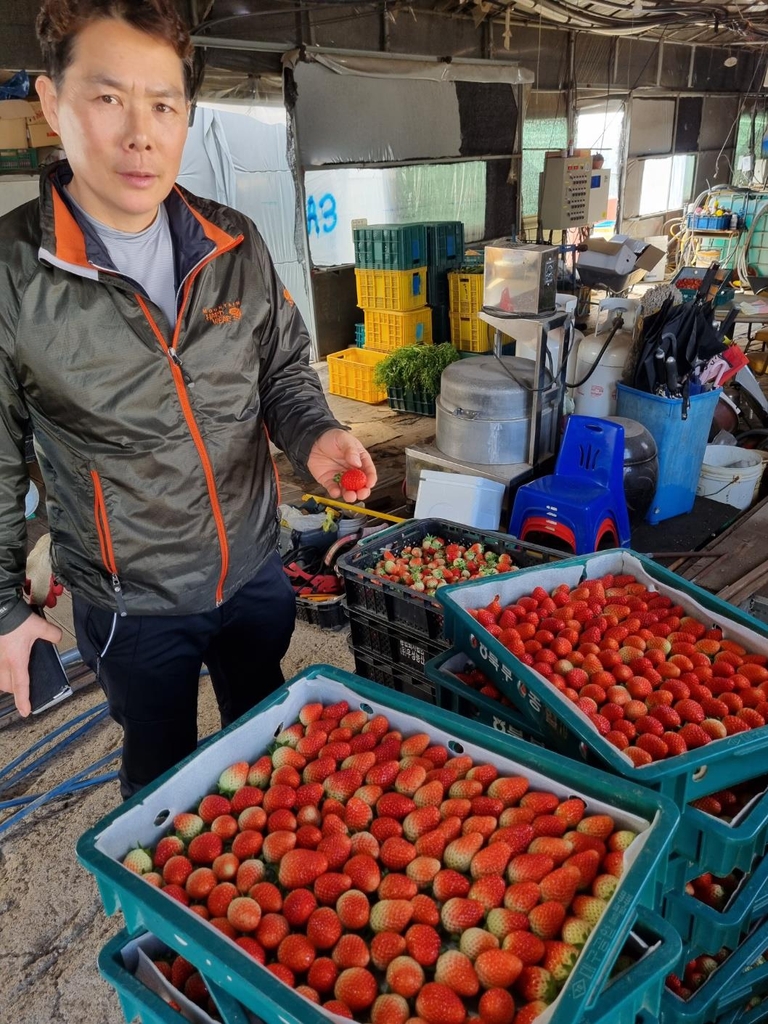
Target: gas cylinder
(527, 337)
(596, 396)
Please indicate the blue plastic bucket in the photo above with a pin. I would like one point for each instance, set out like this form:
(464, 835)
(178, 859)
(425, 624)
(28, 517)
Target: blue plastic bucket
(681, 444)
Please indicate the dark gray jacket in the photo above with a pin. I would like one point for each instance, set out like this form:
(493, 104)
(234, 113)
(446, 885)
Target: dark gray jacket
(152, 438)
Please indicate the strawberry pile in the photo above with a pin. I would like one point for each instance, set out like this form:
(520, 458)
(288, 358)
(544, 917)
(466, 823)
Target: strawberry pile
(727, 804)
(654, 681)
(187, 979)
(696, 974)
(716, 892)
(385, 879)
(435, 564)
(477, 680)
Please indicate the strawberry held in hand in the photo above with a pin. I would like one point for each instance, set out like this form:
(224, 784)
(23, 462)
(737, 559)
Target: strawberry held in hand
(352, 480)
(386, 880)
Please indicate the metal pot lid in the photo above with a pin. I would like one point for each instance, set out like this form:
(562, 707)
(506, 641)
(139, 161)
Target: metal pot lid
(639, 445)
(483, 387)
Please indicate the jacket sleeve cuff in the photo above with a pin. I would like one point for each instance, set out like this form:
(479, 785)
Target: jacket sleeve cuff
(299, 453)
(12, 613)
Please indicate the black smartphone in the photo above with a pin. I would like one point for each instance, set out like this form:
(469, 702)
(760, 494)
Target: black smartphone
(48, 682)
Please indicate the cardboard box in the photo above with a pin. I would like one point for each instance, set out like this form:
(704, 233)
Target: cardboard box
(617, 264)
(39, 131)
(13, 123)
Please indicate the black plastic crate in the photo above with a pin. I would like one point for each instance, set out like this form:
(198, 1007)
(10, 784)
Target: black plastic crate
(407, 681)
(441, 324)
(328, 614)
(400, 646)
(368, 593)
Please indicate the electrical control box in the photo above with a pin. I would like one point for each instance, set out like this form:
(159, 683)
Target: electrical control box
(597, 209)
(565, 191)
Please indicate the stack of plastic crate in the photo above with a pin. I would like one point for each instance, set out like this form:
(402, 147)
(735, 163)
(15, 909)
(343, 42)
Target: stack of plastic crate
(468, 332)
(445, 253)
(391, 277)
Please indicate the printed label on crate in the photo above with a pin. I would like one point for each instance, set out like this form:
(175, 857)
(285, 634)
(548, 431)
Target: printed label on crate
(410, 652)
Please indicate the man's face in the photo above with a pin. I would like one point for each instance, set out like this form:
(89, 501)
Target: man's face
(122, 116)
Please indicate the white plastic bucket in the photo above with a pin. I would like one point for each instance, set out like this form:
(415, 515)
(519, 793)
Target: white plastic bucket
(730, 474)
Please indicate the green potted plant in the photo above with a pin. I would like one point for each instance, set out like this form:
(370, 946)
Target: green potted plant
(411, 376)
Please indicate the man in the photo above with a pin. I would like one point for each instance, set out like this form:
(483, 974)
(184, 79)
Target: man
(145, 335)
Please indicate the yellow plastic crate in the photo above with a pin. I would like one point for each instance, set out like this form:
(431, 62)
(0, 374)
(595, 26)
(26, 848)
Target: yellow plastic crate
(465, 293)
(469, 334)
(386, 330)
(350, 375)
(399, 290)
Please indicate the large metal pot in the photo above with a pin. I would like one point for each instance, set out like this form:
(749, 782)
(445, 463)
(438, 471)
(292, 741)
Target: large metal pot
(484, 410)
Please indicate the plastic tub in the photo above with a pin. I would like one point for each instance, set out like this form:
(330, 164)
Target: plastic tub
(470, 500)
(681, 444)
(730, 475)
(143, 820)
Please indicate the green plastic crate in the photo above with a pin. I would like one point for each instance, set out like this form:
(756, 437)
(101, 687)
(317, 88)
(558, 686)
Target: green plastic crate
(724, 996)
(717, 846)
(624, 1001)
(706, 930)
(402, 400)
(445, 244)
(454, 695)
(18, 159)
(684, 778)
(143, 819)
(391, 246)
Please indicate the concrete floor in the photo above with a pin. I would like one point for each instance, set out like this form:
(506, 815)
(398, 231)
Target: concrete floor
(52, 925)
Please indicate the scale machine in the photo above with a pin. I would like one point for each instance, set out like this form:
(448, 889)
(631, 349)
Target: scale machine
(498, 415)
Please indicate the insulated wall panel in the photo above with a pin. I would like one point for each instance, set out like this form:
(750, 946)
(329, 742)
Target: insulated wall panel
(689, 110)
(675, 64)
(718, 123)
(543, 51)
(637, 63)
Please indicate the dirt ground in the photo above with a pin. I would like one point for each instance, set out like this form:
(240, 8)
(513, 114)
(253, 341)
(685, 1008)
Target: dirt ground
(52, 924)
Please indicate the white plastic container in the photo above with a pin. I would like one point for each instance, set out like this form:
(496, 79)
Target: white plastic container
(469, 500)
(597, 395)
(730, 475)
(527, 338)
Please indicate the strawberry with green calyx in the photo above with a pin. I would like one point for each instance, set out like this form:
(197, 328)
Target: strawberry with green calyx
(139, 861)
(233, 778)
(352, 480)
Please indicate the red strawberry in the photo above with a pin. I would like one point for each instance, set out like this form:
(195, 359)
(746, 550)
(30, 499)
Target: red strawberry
(509, 790)
(233, 778)
(187, 826)
(365, 843)
(386, 947)
(353, 909)
(422, 870)
(432, 844)
(522, 896)
(598, 825)
(299, 868)
(529, 867)
(323, 928)
(170, 846)
(212, 806)
(205, 848)
(395, 886)
(498, 968)
(274, 848)
(394, 805)
(558, 849)
(489, 891)
(527, 947)
(390, 1009)
(351, 951)
(490, 861)
(420, 822)
(459, 914)
(559, 960)
(396, 853)
(352, 480)
(458, 854)
(438, 1004)
(244, 914)
(330, 886)
(547, 919)
(539, 803)
(252, 819)
(357, 815)
(341, 785)
(298, 906)
(496, 1006)
(500, 922)
(449, 883)
(423, 944)
(322, 974)
(561, 884)
(455, 970)
(297, 953)
(336, 849)
(364, 873)
(176, 870)
(425, 910)
(390, 915)
(430, 794)
(357, 988)
(404, 975)
(475, 941)
(338, 1008)
(536, 984)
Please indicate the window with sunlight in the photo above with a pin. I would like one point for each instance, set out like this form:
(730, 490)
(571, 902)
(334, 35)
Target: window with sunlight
(667, 183)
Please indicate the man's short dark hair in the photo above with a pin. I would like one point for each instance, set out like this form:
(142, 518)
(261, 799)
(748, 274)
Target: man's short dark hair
(60, 21)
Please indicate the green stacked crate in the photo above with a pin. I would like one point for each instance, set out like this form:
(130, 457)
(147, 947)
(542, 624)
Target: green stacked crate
(391, 246)
(445, 252)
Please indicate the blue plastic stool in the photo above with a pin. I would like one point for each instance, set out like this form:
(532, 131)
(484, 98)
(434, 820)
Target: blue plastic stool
(583, 502)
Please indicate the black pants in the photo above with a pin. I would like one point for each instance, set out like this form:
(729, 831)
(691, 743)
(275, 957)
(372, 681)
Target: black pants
(149, 667)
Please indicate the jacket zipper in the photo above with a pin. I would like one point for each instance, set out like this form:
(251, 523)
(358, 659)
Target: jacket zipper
(105, 541)
(182, 380)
